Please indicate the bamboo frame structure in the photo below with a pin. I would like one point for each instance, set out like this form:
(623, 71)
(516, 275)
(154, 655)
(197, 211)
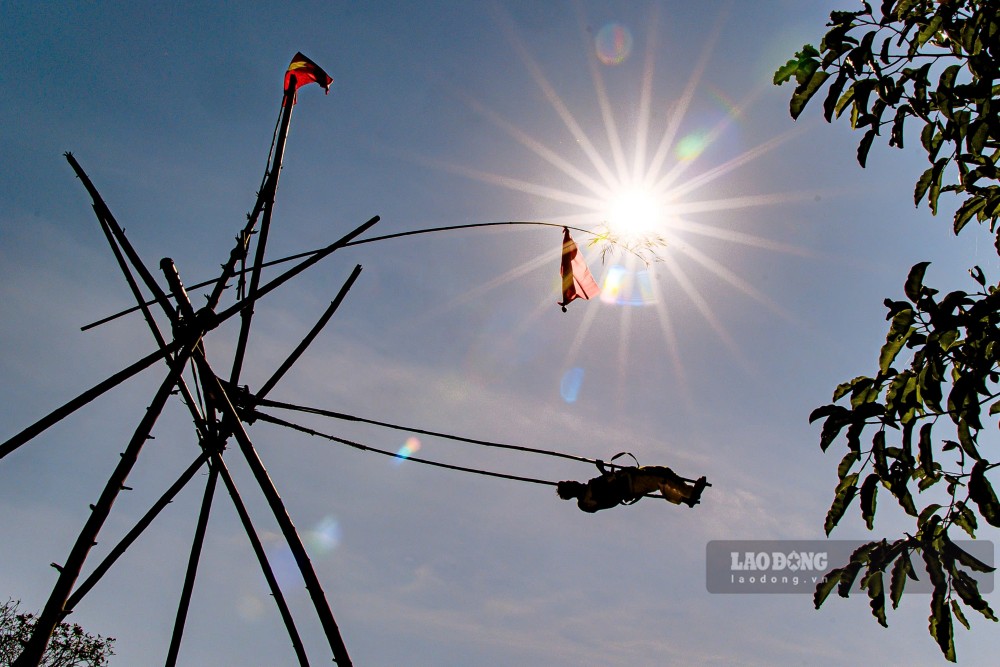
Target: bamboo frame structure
(219, 408)
(216, 420)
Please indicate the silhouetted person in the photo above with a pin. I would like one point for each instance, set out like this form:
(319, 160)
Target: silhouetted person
(627, 485)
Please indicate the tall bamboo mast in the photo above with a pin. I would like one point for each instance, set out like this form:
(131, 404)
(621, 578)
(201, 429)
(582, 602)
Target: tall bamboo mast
(267, 196)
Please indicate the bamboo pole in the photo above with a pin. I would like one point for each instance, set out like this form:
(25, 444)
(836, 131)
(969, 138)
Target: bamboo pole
(265, 565)
(269, 195)
(104, 214)
(294, 271)
(192, 568)
(313, 585)
(301, 347)
(134, 534)
(55, 607)
(243, 240)
(86, 397)
(115, 236)
(212, 387)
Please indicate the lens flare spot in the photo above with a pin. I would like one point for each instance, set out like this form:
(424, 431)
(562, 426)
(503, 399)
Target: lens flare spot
(409, 448)
(570, 385)
(691, 146)
(627, 288)
(612, 287)
(285, 569)
(250, 608)
(325, 537)
(613, 43)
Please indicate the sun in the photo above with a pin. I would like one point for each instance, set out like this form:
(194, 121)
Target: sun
(635, 214)
(640, 197)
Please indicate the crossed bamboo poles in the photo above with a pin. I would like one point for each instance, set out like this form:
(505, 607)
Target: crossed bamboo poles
(215, 418)
(218, 408)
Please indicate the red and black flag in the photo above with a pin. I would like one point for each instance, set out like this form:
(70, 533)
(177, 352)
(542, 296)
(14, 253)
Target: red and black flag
(302, 71)
(577, 283)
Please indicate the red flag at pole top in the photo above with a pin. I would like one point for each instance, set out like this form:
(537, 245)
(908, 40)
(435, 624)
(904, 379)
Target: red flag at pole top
(302, 71)
(577, 283)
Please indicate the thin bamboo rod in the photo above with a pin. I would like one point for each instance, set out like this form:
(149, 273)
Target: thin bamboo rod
(313, 585)
(310, 253)
(436, 464)
(55, 607)
(192, 569)
(104, 214)
(205, 323)
(113, 242)
(86, 397)
(264, 402)
(366, 448)
(409, 429)
(265, 565)
(301, 347)
(133, 535)
(294, 271)
(213, 388)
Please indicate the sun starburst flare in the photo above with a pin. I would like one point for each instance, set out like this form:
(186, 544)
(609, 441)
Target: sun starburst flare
(637, 202)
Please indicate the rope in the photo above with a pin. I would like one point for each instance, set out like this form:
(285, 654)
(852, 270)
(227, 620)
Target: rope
(602, 465)
(485, 443)
(366, 448)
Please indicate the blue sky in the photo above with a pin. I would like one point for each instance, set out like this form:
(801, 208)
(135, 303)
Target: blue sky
(781, 250)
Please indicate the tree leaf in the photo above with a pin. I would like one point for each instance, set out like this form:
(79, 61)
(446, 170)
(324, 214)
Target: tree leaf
(833, 95)
(847, 463)
(915, 281)
(923, 183)
(825, 587)
(865, 145)
(965, 437)
(982, 493)
(929, 30)
(876, 597)
(868, 491)
(956, 609)
(977, 275)
(969, 208)
(935, 186)
(835, 421)
(805, 91)
(785, 72)
(900, 570)
(940, 624)
(899, 331)
(847, 576)
(826, 411)
(844, 100)
(925, 450)
(965, 518)
(926, 513)
(956, 552)
(841, 500)
(968, 590)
